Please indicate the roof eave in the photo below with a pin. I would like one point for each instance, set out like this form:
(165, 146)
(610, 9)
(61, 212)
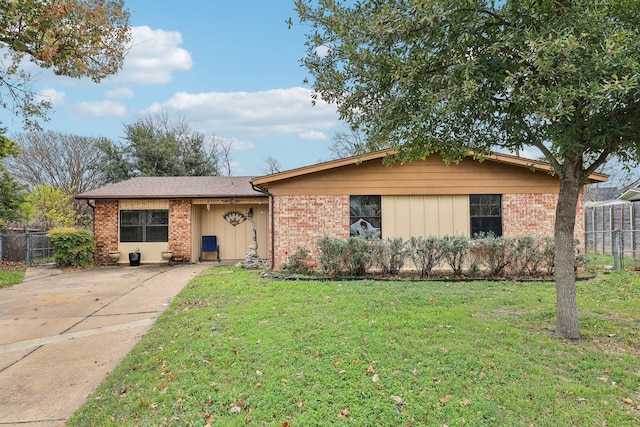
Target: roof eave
(157, 197)
(260, 182)
(631, 195)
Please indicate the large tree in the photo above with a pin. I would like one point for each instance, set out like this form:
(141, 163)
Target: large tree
(347, 144)
(452, 76)
(64, 161)
(158, 145)
(75, 38)
(57, 158)
(48, 206)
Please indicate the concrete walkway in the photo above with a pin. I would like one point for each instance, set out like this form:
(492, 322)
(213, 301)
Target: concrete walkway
(61, 334)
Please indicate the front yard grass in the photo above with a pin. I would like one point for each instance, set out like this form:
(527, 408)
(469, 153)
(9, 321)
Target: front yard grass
(235, 349)
(11, 276)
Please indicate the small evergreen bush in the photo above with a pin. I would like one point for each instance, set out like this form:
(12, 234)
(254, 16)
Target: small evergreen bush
(73, 247)
(528, 258)
(358, 255)
(391, 254)
(298, 262)
(426, 253)
(330, 254)
(456, 251)
(495, 253)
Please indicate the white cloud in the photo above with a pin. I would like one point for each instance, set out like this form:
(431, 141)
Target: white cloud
(154, 56)
(252, 114)
(120, 93)
(101, 109)
(313, 135)
(54, 96)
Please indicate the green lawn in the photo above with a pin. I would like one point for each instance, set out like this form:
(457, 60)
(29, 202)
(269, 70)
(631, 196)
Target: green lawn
(10, 277)
(235, 349)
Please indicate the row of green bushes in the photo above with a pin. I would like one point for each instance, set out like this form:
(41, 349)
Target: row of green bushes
(458, 255)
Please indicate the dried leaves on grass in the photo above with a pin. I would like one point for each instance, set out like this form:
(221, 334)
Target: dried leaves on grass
(236, 349)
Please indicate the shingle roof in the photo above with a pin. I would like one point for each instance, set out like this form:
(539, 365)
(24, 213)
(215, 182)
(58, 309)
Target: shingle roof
(170, 187)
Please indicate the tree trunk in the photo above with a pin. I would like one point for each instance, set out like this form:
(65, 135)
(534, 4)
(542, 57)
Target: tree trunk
(566, 304)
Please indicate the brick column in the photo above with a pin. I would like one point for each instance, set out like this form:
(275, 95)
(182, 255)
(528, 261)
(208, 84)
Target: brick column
(180, 228)
(106, 224)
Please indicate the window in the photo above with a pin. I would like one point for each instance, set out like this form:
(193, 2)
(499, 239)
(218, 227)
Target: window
(366, 216)
(486, 214)
(144, 226)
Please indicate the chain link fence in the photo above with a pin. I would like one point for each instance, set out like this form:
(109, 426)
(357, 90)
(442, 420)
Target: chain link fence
(25, 247)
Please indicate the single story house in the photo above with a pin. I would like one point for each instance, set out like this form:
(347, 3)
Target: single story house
(155, 214)
(511, 196)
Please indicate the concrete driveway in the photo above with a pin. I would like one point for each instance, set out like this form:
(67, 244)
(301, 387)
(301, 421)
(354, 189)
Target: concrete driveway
(62, 333)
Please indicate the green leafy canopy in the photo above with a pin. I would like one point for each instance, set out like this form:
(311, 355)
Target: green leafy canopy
(449, 76)
(74, 38)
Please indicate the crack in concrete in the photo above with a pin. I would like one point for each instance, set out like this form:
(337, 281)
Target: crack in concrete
(48, 421)
(112, 301)
(54, 339)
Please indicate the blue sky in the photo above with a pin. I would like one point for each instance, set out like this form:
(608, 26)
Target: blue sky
(230, 69)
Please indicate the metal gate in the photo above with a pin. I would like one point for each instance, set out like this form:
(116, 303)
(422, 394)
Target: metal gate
(27, 247)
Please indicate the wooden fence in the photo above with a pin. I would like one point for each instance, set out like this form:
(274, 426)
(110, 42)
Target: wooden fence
(612, 223)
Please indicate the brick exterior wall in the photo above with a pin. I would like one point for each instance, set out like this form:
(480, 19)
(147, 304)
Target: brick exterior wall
(528, 214)
(299, 221)
(107, 236)
(106, 229)
(535, 215)
(180, 229)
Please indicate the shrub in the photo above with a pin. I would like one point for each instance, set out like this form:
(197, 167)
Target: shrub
(456, 251)
(357, 256)
(528, 257)
(330, 255)
(298, 262)
(73, 247)
(390, 254)
(352, 256)
(495, 253)
(426, 253)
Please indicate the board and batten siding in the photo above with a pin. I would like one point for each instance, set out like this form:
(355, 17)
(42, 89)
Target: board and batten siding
(412, 216)
(233, 240)
(422, 177)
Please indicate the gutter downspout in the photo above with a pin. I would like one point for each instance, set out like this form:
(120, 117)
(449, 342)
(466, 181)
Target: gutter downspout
(93, 211)
(271, 210)
(93, 224)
